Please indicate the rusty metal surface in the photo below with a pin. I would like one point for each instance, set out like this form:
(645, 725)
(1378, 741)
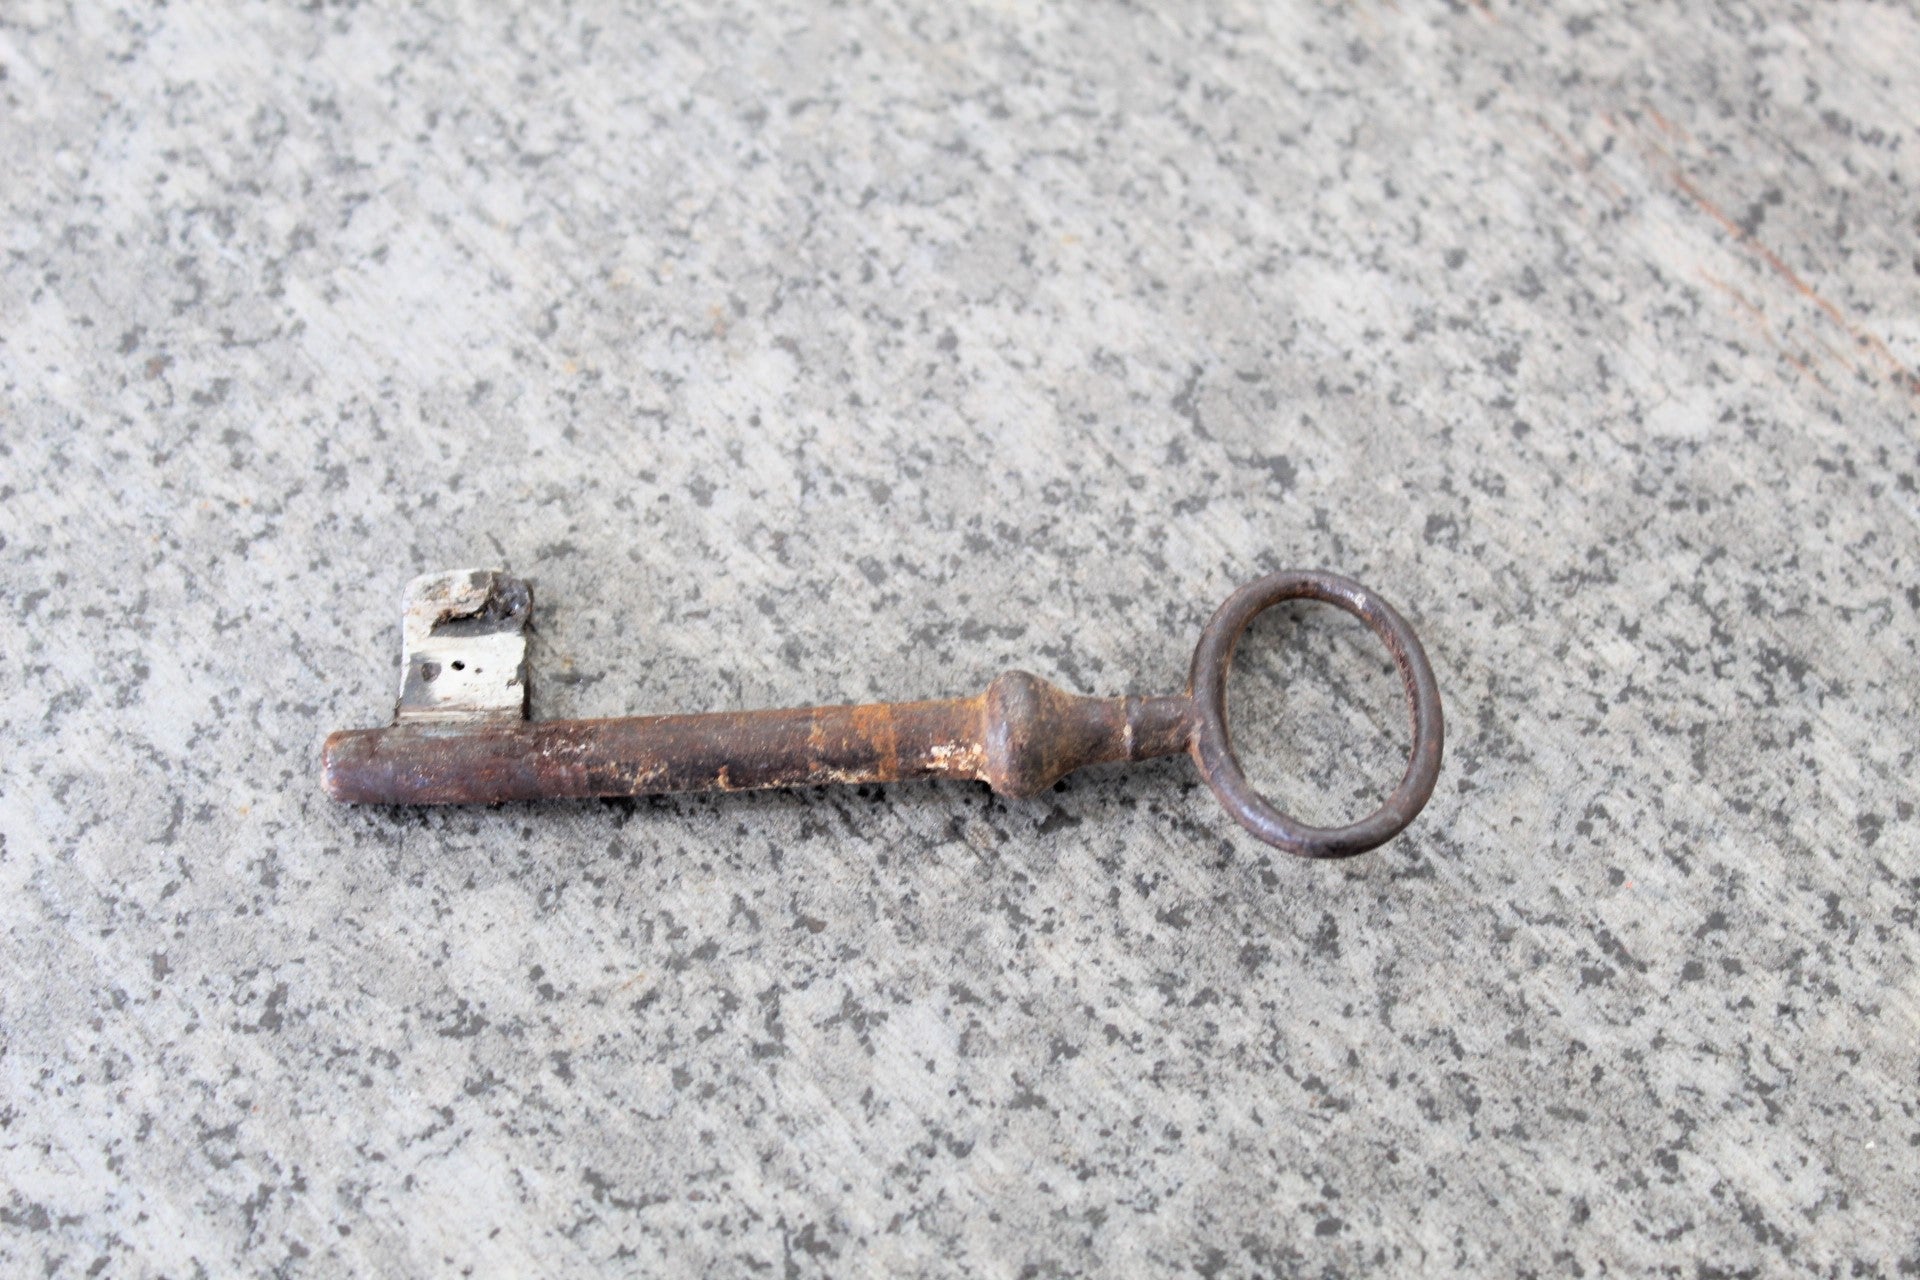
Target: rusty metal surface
(1213, 746)
(1020, 736)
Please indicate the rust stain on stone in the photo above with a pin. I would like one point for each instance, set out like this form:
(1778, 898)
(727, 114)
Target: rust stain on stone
(1906, 378)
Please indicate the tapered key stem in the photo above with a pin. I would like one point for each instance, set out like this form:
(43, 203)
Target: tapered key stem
(1021, 736)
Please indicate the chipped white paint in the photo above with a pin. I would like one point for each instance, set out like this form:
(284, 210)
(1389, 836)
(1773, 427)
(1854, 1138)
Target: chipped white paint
(463, 648)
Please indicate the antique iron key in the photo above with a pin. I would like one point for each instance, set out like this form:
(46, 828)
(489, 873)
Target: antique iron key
(461, 735)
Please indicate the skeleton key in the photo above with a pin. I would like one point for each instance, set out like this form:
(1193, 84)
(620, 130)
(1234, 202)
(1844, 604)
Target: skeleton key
(461, 735)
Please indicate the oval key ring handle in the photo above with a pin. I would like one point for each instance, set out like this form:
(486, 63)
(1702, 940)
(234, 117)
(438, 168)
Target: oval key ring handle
(1212, 749)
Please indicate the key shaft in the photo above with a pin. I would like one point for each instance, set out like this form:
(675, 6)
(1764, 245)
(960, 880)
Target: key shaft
(1020, 737)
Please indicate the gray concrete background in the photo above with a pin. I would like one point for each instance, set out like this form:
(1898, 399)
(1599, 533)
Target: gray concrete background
(811, 353)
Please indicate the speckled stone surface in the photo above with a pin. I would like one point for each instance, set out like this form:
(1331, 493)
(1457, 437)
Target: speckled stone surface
(816, 353)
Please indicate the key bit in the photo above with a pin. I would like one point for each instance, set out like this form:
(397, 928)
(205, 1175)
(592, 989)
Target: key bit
(461, 735)
(463, 648)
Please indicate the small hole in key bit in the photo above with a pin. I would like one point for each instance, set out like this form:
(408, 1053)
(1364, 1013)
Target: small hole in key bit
(459, 666)
(1317, 714)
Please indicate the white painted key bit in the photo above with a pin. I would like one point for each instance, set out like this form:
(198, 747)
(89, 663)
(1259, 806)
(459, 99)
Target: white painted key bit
(464, 648)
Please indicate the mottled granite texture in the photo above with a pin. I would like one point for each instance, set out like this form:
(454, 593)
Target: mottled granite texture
(824, 353)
